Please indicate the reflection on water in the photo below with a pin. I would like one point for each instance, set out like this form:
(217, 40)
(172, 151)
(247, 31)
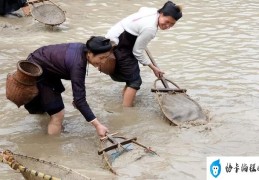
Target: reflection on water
(212, 52)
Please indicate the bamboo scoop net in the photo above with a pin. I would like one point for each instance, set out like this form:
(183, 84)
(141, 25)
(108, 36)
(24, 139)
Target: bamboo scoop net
(47, 12)
(35, 169)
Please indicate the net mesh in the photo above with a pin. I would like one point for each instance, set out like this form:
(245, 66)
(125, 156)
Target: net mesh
(49, 14)
(35, 169)
(180, 108)
(123, 155)
(177, 106)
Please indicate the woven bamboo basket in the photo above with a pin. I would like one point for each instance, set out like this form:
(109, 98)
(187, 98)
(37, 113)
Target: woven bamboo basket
(21, 85)
(47, 12)
(109, 66)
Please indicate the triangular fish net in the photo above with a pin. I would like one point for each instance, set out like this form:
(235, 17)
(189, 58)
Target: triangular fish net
(179, 108)
(123, 154)
(35, 169)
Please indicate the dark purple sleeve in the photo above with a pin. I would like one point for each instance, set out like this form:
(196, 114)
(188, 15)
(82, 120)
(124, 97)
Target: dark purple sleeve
(77, 66)
(78, 87)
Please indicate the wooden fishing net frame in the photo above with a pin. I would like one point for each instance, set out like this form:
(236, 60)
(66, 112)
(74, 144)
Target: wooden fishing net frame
(10, 158)
(117, 145)
(47, 12)
(170, 95)
(171, 91)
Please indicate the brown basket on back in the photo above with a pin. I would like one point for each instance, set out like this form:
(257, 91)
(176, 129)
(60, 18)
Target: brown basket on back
(21, 85)
(109, 66)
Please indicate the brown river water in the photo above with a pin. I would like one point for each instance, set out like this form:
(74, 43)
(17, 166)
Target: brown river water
(212, 52)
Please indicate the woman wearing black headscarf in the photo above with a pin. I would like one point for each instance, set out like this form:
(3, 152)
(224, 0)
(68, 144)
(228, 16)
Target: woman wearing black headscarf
(131, 36)
(67, 61)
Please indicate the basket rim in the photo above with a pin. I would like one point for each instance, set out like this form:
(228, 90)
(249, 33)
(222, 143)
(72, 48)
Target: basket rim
(63, 12)
(32, 63)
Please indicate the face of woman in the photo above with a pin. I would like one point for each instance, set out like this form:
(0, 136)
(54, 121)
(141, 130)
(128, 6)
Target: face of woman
(97, 60)
(165, 22)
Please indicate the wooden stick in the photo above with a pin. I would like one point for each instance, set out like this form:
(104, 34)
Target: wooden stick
(145, 147)
(104, 138)
(108, 163)
(155, 64)
(141, 145)
(168, 90)
(116, 145)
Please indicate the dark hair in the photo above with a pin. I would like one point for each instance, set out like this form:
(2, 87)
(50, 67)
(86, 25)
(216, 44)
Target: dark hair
(98, 44)
(170, 9)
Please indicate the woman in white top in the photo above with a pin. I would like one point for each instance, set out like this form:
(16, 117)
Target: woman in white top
(131, 36)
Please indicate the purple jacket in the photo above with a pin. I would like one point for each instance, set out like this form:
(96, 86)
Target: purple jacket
(66, 61)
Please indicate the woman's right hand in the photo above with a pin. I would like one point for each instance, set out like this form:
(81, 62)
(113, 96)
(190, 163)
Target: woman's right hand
(100, 129)
(158, 73)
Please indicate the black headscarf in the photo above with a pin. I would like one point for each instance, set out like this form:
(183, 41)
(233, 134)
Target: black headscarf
(98, 44)
(170, 9)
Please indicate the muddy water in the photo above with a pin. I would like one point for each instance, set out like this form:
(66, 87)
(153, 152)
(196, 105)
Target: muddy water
(212, 52)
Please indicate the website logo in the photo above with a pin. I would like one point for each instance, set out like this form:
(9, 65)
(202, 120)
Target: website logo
(215, 168)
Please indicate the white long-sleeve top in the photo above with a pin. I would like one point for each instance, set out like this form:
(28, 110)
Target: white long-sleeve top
(143, 24)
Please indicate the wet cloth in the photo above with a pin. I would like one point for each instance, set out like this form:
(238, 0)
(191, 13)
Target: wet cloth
(8, 6)
(64, 61)
(127, 67)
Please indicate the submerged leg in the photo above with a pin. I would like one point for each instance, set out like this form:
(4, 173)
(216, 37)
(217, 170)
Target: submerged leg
(129, 95)
(55, 124)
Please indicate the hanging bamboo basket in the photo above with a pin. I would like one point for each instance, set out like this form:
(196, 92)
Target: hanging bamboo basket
(109, 66)
(21, 85)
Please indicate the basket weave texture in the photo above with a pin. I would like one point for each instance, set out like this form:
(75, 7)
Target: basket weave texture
(109, 66)
(49, 14)
(21, 85)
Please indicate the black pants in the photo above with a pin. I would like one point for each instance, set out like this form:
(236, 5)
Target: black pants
(49, 98)
(127, 68)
